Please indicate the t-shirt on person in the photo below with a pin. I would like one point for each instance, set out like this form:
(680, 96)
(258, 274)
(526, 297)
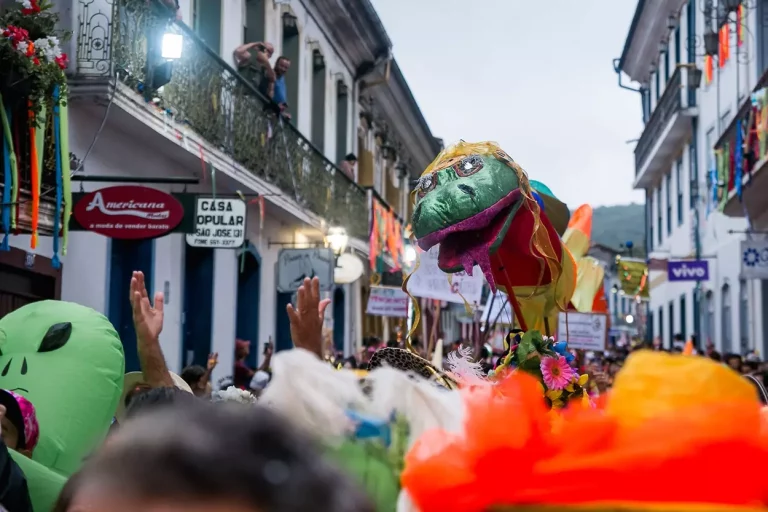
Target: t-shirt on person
(281, 95)
(242, 375)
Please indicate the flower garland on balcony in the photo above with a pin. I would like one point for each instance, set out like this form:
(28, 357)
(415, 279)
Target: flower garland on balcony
(33, 84)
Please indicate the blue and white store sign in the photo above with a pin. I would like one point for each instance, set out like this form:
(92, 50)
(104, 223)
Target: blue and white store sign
(754, 259)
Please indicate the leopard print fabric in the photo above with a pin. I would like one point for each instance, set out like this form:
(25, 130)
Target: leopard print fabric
(403, 360)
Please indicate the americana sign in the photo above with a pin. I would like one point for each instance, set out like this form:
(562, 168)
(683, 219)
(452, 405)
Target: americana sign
(128, 212)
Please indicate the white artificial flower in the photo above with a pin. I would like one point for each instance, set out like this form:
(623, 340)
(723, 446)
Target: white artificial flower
(48, 47)
(26, 4)
(233, 394)
(22, 46)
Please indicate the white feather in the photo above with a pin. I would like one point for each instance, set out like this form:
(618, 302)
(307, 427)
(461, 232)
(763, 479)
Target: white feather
(461, 365)
(421, 402)
(405, 503)
(312, 394)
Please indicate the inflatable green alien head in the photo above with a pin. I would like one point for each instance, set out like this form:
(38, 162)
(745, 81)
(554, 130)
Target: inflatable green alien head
(68, 361)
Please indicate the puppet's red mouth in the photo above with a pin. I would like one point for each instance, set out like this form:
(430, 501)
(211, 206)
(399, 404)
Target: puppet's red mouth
(472, 241)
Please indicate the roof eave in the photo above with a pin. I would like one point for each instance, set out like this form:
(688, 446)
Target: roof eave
(631, 34)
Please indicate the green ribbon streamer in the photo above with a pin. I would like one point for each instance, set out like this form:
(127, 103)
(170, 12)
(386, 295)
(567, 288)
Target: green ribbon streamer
(14, 164)
(66, 181)
(725, 174)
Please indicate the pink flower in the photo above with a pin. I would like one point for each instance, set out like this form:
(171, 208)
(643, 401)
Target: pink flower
(557, 372)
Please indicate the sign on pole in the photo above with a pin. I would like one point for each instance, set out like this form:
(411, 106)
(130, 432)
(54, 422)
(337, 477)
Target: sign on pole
(585, 331)
(754, 259)
(688, 270)
(219, 223)
(387, 301)
(294, 265)
(430, 282)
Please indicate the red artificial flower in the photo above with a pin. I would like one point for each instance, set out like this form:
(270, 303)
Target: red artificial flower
(35, 9)
(62, 60)
(15, 34)
(36, 61)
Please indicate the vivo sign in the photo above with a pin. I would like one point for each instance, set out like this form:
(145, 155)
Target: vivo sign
(691, 270)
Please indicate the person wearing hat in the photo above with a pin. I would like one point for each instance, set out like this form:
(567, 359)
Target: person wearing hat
(20, 432)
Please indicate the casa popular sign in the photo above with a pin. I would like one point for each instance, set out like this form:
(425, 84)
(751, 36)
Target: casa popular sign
(128, 212)
(689, 270)
(219, 223)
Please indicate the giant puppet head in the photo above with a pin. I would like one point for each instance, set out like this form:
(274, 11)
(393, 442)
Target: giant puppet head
(68, 361)
(479, 206)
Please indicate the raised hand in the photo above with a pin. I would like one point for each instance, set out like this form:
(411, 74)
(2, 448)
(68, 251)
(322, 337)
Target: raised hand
(147, 318)
(307, 317)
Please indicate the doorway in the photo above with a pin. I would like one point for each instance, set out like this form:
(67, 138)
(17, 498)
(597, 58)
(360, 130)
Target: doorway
(338, 320)
(24, 281)
(248, 291)
(283, 339)
(198, 305)
(253, 31)
(127, 256)
(318, 100)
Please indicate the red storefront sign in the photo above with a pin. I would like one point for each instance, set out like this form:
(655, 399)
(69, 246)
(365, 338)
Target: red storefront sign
(129, 212)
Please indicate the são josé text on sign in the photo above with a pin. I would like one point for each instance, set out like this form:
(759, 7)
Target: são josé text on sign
(219, 223)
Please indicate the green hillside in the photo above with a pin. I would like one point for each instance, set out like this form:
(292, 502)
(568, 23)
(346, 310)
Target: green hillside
(615, 225)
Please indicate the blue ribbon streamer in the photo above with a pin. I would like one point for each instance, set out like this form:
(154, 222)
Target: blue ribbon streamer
(371, 428)
(739, 157)
(7, 184)
(55, 262)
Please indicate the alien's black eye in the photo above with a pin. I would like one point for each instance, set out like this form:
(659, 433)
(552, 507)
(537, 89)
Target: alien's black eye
(56, 337)
(468, 166)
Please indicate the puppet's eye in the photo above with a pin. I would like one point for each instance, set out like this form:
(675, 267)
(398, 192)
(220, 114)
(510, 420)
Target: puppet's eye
(468, 166)
(427, 183)
(56, 337)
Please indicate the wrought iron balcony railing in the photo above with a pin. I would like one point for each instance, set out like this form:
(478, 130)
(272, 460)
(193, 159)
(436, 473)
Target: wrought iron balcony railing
(115, 38)
(669, 104)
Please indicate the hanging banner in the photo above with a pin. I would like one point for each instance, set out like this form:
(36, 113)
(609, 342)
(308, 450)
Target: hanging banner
(387, 301)
(688, 270)
(754, 259)
(585, 331)
(430, 282)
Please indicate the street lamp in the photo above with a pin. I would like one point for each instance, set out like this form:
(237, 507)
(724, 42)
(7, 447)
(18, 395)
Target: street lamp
(711, 42)
(337, 239)
(630, 319)
(410, 254)
(172, 46)
(694, 75)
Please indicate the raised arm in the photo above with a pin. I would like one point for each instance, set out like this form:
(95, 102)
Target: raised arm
(148, 322)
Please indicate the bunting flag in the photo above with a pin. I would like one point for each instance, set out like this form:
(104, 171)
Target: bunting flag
(34, 176)
(725, 44)
(66, 175)
(740, 24)
(709, 68)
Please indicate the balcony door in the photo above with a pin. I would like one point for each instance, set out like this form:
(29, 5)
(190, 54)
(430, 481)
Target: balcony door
(127, 256)
(198, 305)
(24, 281)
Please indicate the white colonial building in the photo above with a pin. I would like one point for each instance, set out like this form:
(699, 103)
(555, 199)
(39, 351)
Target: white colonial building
(696, 63)
(192, 124)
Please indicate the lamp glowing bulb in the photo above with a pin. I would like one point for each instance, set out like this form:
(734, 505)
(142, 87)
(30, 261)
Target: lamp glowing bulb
(172, 46)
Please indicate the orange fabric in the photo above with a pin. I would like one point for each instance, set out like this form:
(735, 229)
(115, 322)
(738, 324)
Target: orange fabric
(688, 350)
(582, 220)
(600, 305)
(34, 171)
(709, 65)
(674, 430)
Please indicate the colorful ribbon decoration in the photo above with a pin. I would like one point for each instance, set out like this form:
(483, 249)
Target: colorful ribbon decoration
(9, 160)
(34, 168)
(55, 262)
(66, 177)
(739, 159)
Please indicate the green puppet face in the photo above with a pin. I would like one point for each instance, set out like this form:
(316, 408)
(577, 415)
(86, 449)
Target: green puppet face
(467, 208)
(68, 361)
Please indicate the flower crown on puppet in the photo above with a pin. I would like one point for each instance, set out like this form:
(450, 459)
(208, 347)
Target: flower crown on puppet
(546, 360)
(676, 434)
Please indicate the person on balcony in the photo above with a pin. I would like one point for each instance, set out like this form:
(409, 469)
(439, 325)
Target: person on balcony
(252, 61)
(278, 91)
(348, 165)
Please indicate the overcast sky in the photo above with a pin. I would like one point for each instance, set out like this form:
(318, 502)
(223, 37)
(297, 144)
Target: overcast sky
(535, 76)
